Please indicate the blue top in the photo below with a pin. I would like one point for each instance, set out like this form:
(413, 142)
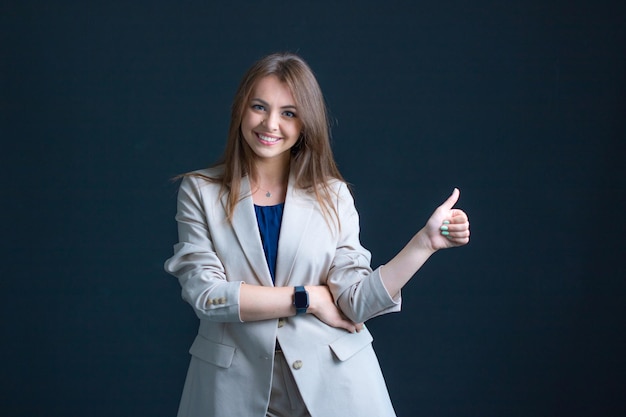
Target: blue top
(269, 219)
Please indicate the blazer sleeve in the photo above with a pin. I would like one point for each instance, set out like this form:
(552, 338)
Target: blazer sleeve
(195, 263)
(357, 289)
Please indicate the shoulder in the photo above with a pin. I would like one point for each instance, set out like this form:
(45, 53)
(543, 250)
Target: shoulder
(202, 181)
(338, 194)
(212, 175)
(333, 192)
(335, 185)
(341, 189)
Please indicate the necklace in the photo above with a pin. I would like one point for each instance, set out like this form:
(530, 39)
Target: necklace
(267, 193)
(278, 187)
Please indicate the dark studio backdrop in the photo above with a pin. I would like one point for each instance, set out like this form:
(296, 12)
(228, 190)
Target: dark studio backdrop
(519, 104)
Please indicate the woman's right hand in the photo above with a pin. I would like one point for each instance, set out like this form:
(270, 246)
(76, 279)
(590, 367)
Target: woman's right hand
(322, 305)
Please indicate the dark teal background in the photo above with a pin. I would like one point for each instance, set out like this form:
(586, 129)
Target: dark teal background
(521, 105)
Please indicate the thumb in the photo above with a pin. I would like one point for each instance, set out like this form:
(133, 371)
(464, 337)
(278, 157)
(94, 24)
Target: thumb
(451, 201)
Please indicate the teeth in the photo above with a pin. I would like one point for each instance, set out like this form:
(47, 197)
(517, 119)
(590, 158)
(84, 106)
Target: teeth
(268, 138)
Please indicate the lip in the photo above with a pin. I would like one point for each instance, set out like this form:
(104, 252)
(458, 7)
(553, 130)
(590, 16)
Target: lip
(261, 136)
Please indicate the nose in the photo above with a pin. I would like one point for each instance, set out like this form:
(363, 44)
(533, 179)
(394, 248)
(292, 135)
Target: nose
(272, 121)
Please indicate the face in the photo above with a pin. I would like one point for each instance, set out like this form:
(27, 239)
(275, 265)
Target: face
(270, 123)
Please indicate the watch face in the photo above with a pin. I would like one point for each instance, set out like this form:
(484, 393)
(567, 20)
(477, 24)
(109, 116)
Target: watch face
(301, 299)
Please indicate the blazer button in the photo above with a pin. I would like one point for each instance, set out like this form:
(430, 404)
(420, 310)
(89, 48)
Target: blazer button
(281, 322)
(222, 300)
(297, 365)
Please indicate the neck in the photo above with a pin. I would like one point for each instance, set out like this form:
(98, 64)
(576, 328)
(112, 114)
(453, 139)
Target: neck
(268, 174)
(269, 183)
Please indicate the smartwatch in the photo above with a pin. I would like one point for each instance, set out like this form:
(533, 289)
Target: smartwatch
(300, 299)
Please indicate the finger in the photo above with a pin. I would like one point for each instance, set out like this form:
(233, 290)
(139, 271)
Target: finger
(457, 220)
(451, 201)
(457, 234)
(346, 324)
(452, 228)
(350, 327)
(458, 215)
(359, 327)
(459, 241)
(459, 237)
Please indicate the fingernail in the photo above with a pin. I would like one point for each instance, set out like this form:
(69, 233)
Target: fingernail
(444, 227)
(445, 233)
(446, 222)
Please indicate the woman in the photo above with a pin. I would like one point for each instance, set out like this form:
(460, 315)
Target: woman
(269, 258)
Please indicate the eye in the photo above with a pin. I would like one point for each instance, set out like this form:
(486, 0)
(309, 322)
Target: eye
(289, 114)
(258, 107)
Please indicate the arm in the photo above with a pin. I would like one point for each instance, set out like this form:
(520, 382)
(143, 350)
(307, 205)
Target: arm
(432, 237)
(362, 293)
(204, 283)
(262, 303)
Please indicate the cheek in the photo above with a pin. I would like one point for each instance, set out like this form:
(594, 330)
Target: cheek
(247, 121)
(297, 128)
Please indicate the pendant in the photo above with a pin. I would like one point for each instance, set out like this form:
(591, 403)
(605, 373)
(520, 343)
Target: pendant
(268, 194)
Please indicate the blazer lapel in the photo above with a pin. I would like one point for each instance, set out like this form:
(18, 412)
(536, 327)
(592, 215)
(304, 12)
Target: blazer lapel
(299, 206)
(247, 230)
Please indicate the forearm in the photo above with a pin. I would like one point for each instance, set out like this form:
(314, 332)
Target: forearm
(264, 303)
(446, 228)
(399, 270)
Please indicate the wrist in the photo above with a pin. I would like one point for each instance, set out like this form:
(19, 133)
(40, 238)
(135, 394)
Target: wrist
(421, 242)
(301, 299)
(313, 298)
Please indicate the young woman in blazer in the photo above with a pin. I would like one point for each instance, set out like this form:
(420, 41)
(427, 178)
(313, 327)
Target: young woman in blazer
(269, 258)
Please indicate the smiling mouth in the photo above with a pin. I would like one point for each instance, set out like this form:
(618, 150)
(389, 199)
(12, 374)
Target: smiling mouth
(267, 139)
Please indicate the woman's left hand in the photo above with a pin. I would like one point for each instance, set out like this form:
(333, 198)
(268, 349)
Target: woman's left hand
(447, 227)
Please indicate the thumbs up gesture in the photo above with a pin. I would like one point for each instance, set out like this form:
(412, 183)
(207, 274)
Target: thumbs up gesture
(448, 227)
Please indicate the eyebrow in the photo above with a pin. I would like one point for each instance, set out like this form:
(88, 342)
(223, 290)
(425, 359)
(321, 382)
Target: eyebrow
(265, 103)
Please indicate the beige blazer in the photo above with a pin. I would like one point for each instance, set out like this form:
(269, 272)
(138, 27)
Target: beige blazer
(230, 372)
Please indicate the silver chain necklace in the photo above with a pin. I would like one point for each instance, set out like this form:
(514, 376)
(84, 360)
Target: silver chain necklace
(267, 193)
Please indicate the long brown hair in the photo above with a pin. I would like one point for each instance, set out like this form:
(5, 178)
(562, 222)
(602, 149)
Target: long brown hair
(312, 160)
